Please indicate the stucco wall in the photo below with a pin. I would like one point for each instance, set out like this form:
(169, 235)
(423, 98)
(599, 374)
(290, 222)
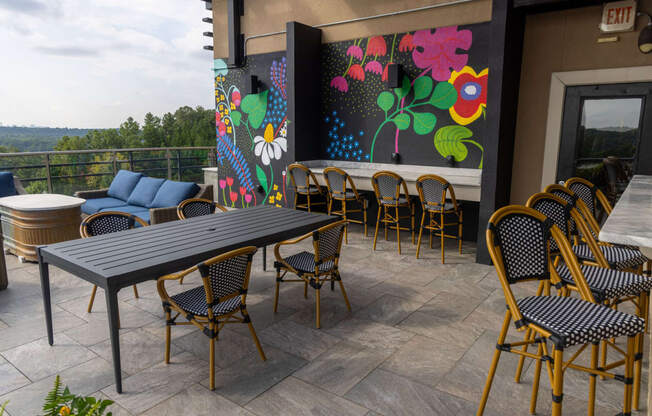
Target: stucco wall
(557, 42)
(263, 16)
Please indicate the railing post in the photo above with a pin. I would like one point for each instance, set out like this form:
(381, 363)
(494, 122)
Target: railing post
(131, 161)
(168, 156)
(115, 164)
(48, 173)
(178, 165)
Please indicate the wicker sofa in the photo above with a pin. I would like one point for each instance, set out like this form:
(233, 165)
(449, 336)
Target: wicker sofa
(153, 200)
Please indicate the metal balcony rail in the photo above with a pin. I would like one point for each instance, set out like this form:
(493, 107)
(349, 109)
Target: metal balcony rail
(73, 170)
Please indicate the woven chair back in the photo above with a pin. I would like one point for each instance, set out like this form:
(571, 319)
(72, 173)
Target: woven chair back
(197, 207)
(108, 222)
(388, 186)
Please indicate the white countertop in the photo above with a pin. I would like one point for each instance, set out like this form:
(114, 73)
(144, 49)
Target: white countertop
(40, 202)
(630, 222)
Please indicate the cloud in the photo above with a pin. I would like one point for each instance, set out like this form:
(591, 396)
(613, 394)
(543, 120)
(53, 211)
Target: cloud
(32, 7)
(71, 51)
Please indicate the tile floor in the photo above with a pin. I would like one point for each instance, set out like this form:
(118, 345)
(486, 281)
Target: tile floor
(418, 342)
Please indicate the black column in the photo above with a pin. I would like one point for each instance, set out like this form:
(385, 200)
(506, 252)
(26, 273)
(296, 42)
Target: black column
(505, 56)
(303, 98)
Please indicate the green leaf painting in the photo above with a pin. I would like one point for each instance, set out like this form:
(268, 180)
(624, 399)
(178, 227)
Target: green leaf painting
(422, 87)
(255, 106)
(424, 123)
(385, 101)
(444, 96)
(236, 116)
(450, 141)
(404, 89)
(402, 121)
(220, 67)
(262, 177)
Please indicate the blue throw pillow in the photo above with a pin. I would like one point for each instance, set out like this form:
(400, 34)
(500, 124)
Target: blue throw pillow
(123, 184)
(145, 191)
(171, 193)
(7, 187)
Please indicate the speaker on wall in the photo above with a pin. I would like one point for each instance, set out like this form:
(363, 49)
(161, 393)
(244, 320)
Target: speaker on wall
(394, 75)
(253, 85)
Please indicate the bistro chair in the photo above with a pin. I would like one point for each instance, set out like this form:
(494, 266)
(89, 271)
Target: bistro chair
(596, 201)
(197, 207)
(336, 182)
(313, 268)
(388, 187)
(617, 257)
(305, 183)
(106, 223)
(610, 287)
(518, 240)
(219, 301)
(432, 193)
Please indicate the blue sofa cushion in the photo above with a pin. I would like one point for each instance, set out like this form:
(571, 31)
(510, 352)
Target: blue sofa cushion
(123, 184)
(7, 187)
(171, 193)
(145, 191)
(92, 206)
(140, 212)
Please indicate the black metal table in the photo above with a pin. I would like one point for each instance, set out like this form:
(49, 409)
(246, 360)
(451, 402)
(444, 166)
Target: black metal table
(122, 259)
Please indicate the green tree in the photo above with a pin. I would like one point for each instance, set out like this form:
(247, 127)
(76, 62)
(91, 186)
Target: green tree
(152, 131)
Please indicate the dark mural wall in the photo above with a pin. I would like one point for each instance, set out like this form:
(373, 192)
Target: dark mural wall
(439, 111)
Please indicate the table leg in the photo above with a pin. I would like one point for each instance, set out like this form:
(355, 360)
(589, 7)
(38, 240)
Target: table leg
(264, 258)
(114, 328)
(45, 288)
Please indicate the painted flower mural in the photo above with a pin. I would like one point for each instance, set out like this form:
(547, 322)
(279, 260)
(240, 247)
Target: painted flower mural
(437, 51)
(270, 146)
(472, 94)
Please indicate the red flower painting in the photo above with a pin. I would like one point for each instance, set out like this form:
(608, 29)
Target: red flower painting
(471, 94)
(340, 83)
(437, 52)
(376, 46)
(356, 72)
(406, 43)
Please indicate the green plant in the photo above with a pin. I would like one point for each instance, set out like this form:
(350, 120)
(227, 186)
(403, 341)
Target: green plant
(60, 402)
(449, 141)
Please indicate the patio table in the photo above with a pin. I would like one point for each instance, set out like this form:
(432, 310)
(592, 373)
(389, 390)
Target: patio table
(122, 259)
(630, 223)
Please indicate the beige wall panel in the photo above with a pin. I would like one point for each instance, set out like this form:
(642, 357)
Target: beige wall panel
(557, 42)
(263, 16)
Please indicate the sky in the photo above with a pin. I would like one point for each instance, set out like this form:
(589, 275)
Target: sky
(611, 112)
(93, 63)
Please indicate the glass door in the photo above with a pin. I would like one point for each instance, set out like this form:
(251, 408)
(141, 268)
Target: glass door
(606, 134)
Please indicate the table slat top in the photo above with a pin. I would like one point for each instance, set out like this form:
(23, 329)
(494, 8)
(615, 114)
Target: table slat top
(144, 253)
(630, 222)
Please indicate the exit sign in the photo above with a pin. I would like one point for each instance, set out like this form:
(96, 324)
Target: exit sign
(618, 16)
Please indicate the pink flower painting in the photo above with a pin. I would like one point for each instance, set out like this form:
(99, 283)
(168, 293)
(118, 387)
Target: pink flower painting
(355, 51)
(235, 97)
(247, 198)
(374, 66)
(437, 52)
(222, 184)
(340, 84)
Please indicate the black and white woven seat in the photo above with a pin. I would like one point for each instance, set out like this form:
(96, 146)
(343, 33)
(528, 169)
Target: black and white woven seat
(194, 301)
(341, 188)
(313, 269)
(575, 321)
(198, 207)
(304, 183)
(304, 262)
(608, 283)
(400, 201)
(215, 304)
(618, 257)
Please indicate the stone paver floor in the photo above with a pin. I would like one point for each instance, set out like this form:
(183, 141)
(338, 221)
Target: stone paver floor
(418, 342)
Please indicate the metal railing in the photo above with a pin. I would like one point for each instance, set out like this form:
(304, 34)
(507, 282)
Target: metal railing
(74, 170)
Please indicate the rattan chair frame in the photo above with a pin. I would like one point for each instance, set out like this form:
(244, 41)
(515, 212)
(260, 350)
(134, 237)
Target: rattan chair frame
(555, 365)
(215, 206)
(314, 279)
(392, 221)
(598, 196)
(85, 233)
(212, 324)
(639, 302)
(340, 195)
(310, 177)
(434, 211)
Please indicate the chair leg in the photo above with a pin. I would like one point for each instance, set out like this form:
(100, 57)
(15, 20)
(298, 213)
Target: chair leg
(558, 382)
(92, 299)
(398, 231)
(278, 284)
(459, 233)
(385, 221)
(441, 216)
(168, 335)
(211, 358)
(629, 364)
(136, 292)
(296, 199)
(527, 337)
(346, 233)
(330, 205)
(431, 230)
(638, 362)
(317, 310)
(423, 218)
(364, 217)
(346, 298)
(253, 334)
(412, 215)
(603, 355)
(535, 382)
(377, 225)
(592, 378)
(494, 364)
(308, 199)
